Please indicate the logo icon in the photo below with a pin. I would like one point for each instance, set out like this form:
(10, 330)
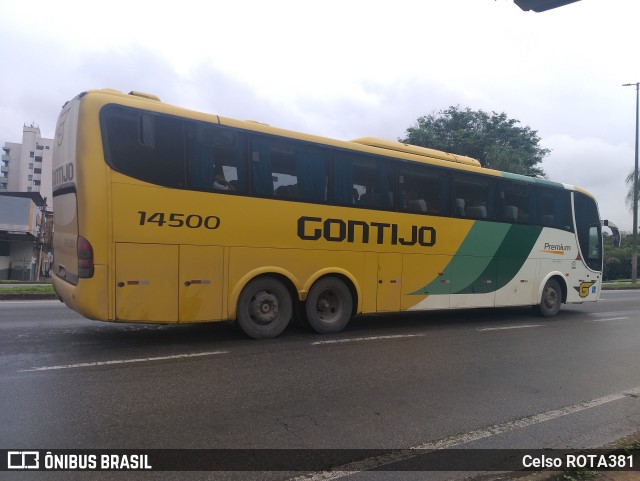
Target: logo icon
(23, 460)
(585, 288)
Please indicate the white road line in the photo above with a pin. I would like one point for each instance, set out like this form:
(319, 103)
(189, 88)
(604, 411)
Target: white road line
(124, 361)
(609, 319)
(450, 442)
(508, 327)
(358, 339)
(34, 301)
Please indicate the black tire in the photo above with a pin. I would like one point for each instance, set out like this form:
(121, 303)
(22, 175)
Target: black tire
(551, 300)
(264, 308)
(329, 305)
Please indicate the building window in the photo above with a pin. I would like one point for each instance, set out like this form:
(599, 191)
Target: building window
(30, 178)
(31, 166)
(31, 154)
(39, 158)
(39, 147)
(36, 182)
(37, 171)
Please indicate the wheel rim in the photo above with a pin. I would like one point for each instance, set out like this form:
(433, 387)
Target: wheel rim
(264, 308)
(329, 306)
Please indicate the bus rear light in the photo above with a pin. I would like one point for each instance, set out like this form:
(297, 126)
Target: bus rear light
(85, 258)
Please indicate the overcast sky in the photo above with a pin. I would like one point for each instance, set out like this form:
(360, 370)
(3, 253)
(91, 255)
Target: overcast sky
(345, 68)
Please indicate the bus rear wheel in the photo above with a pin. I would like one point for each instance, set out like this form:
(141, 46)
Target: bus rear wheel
(551, 299)
(329, 305)
(264, 308)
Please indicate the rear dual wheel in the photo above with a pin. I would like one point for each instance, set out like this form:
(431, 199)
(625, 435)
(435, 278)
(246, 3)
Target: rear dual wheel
(264, 308)
(329, 305)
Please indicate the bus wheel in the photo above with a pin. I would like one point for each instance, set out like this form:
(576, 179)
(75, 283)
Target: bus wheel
(264, 308)
(329, 305)
(551, 299)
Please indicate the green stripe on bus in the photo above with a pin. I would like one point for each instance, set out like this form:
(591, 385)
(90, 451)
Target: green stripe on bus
(488, 259)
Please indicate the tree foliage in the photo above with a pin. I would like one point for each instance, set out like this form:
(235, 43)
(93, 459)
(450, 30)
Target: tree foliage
(617, 260)
(629, 197)
(497, 141)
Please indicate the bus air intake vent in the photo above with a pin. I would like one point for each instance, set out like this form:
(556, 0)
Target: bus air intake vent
(416, 150)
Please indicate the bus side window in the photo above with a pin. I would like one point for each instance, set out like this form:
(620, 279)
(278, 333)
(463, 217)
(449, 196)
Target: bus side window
(423, 189)
(555, 209)
(474, 196)
(145, 145)
(518, 203)
(216, 161)
(366, 181)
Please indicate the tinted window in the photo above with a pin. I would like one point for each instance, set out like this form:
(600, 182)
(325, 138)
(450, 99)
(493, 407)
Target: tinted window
(144, 145)
(555, 209)
(288, 169)
(216, 159)
(474, 196)
(423, 189)
(588, 230)
(364, 181)
(518, 203)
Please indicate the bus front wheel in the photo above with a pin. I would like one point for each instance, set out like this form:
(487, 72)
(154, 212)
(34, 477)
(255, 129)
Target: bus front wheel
(264, 308)
(329, 305)
(551, 299)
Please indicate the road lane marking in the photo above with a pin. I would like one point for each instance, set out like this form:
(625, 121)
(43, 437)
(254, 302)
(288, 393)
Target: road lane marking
(508, 327)
(358, 339)
(8, 303)
(123, 361)
(607, 320)
(452, 441)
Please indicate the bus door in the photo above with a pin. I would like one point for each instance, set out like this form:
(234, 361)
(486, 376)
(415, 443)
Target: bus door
(389, 282)
(146, 282)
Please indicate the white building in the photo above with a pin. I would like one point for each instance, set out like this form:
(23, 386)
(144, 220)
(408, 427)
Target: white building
(26, 167)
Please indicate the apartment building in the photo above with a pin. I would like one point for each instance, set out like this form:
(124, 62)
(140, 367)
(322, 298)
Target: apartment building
(26, 167)
(26, 205)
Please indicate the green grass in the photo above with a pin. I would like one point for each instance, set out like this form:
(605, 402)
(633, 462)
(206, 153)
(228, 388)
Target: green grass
(620, 284)
(26, 290)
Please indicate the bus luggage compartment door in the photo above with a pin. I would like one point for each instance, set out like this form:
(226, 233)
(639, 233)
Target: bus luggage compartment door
(389, 282)
(201, 276)
(146, 282)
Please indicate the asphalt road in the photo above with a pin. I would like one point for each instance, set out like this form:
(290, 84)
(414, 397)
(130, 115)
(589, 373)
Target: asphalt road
(468, 379)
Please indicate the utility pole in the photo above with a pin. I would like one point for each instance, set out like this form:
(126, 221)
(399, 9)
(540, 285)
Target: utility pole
(634, 247)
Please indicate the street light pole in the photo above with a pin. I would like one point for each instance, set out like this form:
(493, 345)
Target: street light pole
(634, 247)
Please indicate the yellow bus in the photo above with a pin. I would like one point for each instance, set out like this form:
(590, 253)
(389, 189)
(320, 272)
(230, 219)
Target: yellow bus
(167, 215)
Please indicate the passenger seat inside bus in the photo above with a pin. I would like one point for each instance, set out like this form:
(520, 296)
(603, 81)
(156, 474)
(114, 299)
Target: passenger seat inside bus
(418, 205)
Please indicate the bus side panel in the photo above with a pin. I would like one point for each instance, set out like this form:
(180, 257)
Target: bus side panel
(426, 282)
(474, 281)
(146, 282)
(521, 289)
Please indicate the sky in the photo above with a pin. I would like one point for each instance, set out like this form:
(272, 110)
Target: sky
(345, 68)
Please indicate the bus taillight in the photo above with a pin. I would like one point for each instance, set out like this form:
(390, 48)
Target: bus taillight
(85, 258)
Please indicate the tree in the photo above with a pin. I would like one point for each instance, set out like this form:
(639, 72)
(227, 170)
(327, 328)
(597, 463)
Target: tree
(497, 141)
(629, 197)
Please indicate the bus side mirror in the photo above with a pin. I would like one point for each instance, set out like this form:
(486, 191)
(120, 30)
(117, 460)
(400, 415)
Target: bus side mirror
(617, 241)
